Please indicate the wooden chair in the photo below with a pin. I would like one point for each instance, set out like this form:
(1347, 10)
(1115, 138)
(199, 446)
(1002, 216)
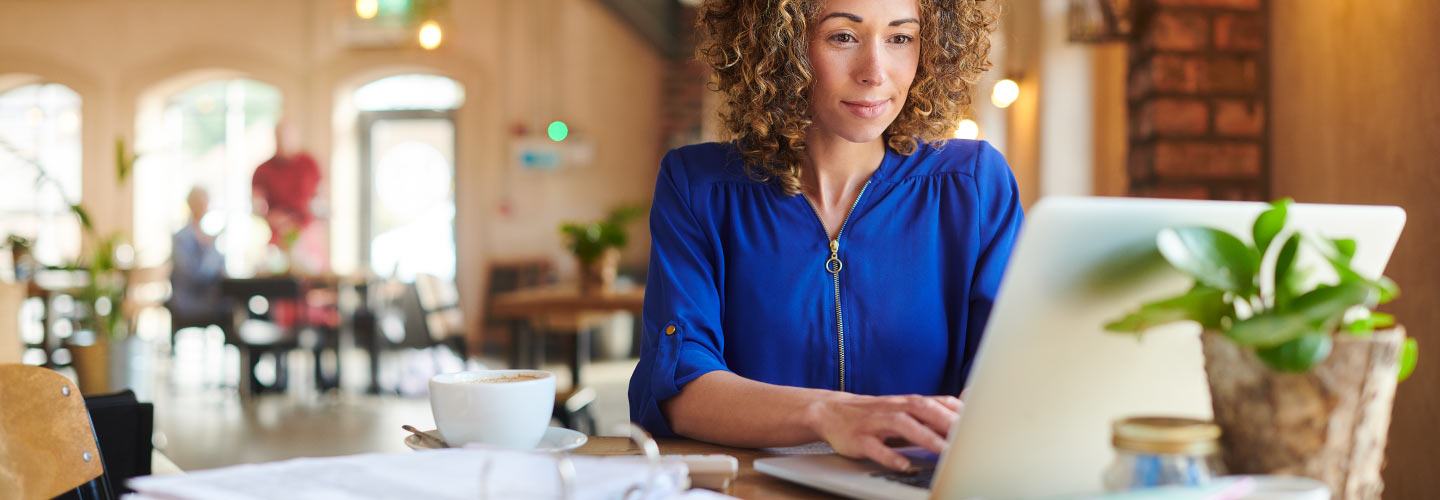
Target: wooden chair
(439, 303)
(47, 446)
(508, 275)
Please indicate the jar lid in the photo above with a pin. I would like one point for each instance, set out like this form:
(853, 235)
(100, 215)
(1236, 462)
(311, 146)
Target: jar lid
(1166, 435)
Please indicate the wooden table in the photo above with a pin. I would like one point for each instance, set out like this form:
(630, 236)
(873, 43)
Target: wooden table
(748, 484)
(528, 306)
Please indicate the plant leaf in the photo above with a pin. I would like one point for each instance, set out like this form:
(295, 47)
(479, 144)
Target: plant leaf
(1315, 310)
(1388, 289)
(1298, 354)
(1269, 224)
(124, 162)
(1202, 304)
(1368, 325)
(1346, 248)
(83, 216)
(1409, 355)
(1211, 256)
(1287, 278)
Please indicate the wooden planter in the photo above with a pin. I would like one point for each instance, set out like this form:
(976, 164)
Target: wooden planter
(599, 276)
(1329, 424)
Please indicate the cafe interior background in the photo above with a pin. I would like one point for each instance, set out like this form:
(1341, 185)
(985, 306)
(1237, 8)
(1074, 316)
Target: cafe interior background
(454, 138)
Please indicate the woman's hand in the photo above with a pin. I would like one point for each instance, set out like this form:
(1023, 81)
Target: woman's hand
(857, 426)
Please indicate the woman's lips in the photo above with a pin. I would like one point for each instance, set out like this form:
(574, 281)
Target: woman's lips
(867, 109)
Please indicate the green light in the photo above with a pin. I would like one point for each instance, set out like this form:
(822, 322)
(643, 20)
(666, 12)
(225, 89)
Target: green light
(558, 131)
(394, 6)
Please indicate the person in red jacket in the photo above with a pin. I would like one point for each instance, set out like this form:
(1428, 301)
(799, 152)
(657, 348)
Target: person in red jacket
(283, 187)
(282, 190)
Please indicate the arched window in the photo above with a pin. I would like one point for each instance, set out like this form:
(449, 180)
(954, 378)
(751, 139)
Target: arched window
(211, 135)
(407, 163)
(40, 167)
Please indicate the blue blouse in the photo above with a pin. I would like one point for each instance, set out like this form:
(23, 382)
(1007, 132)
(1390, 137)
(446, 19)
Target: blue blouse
(741, 276)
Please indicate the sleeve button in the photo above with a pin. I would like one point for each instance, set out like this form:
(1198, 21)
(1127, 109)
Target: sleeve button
(670, 330)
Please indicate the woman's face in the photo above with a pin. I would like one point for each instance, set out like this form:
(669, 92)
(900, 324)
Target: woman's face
(863, 54)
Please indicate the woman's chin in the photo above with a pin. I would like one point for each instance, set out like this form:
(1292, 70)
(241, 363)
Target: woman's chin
(862, 134)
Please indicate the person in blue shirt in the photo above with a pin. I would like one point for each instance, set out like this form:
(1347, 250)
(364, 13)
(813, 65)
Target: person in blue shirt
(826, 275)
(196, 271)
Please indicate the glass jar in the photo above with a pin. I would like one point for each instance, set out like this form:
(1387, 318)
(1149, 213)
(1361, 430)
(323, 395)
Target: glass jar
(1163, 451)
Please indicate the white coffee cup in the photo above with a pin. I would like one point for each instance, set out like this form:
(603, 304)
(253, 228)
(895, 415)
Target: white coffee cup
(493, 407)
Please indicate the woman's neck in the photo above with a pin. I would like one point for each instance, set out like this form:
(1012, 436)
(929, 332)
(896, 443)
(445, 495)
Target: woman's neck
(836, 169)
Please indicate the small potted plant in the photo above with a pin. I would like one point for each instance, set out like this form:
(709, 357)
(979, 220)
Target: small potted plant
(596, 246)
(20, 256)
(1302, 375)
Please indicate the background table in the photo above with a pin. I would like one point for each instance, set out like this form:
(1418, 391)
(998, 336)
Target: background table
(529, 307)
(749, 483)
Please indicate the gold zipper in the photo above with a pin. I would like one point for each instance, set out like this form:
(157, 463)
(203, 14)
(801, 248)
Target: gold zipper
(833, 265)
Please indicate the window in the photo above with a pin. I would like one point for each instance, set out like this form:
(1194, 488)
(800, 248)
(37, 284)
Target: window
(211, 135)
(40, 131)
(407, 212)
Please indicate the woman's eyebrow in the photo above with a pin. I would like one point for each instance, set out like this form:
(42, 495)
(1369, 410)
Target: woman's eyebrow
(845, 15)
(858, 19)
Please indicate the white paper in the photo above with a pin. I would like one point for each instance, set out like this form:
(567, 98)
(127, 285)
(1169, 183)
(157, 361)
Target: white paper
(437, 474)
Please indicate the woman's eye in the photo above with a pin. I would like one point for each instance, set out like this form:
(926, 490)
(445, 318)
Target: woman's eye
(902, 39)
(843, 38)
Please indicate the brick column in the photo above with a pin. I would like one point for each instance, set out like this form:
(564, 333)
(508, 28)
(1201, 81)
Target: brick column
(1197, 99)
(685, 78)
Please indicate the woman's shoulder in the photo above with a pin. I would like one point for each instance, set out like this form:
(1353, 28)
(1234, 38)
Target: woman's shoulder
(705, 163)
(977, 159)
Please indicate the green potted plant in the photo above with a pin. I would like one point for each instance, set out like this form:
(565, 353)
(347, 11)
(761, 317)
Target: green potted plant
(20, 261)
(596, 246)
(1302, 375)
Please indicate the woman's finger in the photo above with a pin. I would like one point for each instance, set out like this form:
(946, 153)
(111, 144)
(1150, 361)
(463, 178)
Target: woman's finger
(883, 455)
(905, 426)
(933, 414)
(951, 402)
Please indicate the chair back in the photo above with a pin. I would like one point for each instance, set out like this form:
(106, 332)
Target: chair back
(47, 446)
(507, 276)
(439, 301)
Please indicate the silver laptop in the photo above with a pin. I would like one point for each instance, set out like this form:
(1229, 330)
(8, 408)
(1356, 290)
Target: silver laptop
(1048, 380)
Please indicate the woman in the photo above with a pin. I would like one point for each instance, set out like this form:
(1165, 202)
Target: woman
(833, 253)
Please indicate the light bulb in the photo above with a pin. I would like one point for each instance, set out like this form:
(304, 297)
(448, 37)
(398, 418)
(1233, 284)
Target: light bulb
(968, 129)
(1005, 93)
(430, 35)
(367, 9)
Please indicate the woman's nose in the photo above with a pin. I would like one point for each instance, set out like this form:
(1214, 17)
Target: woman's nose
(871, 66)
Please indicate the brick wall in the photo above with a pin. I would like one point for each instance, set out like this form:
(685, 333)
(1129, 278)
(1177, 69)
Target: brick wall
(1197, 97)
(685, 78)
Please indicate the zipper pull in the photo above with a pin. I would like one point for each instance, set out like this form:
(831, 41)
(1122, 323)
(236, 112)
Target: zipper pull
(833, 264)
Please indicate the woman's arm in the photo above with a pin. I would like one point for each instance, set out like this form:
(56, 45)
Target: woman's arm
(724, 408)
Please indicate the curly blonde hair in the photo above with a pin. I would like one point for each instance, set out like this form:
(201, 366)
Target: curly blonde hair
(758, 52)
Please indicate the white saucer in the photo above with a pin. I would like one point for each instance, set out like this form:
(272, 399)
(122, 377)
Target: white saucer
(555, 439)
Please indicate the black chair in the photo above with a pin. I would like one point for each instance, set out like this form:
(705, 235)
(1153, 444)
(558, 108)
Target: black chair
(50, 448)
(256, 336)
(123, 426)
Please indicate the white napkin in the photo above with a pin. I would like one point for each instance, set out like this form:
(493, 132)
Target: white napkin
(438, 474)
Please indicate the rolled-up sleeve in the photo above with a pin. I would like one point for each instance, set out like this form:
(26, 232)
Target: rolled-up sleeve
(681, 333)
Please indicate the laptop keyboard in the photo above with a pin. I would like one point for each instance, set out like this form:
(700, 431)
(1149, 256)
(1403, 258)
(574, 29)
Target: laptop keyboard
(919, 478)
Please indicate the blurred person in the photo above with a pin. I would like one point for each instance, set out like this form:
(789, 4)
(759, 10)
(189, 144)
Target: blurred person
(283, 188)
(829, 270)
(196, 270)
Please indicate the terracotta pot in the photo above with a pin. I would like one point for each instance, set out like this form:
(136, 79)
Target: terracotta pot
(1329, 423)
(92, 365)
(599, 276)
